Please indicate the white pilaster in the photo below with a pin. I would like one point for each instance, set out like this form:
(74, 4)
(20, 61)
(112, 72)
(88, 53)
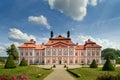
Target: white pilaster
(45, 56)
(68, 54)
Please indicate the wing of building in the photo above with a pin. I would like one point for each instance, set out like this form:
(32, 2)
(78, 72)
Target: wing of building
(60, 50)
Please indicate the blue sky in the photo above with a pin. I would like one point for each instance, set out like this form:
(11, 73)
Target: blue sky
(21, 20)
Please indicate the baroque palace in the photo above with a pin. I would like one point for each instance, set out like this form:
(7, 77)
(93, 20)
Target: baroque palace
(60, 50)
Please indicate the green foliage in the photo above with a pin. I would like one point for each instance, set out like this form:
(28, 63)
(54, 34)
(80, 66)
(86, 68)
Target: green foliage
(108, 66)
(2, 59)
(23, 62)
(109, 52)
(93, 64)
(118, 60)
(108, 76)
(12, 50)
(91, 74)
(10, 62)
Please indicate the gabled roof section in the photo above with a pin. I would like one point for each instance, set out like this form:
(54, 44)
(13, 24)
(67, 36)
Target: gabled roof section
(29, 44)
(40, 47)
(59, 39)
(91, 44)
(79, 47)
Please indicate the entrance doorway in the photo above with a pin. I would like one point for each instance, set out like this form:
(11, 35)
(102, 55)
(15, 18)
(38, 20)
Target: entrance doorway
(59, 61)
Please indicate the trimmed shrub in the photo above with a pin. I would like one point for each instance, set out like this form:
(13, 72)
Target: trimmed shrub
(93, 64)
(108, 66)
(23, 62)
(54, 66)
(10, 62)
(65, 66)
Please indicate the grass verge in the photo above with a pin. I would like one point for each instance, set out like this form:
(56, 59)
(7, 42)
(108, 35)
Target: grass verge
(33, 72)
(90, 73)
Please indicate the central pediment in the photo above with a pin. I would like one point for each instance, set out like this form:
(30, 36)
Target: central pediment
(60, 44)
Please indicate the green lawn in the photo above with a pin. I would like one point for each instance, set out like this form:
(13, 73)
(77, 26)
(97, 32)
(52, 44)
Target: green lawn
(30, 71)
(91, 74)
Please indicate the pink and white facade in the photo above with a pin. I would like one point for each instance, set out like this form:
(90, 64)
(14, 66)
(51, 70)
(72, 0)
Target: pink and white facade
(60, 50)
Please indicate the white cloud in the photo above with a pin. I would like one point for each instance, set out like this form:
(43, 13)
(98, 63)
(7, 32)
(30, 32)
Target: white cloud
(105, 43)
(39, 20)
(18, 36)
(43, 40)
(2, 49)
(77, 9)
(93, 2)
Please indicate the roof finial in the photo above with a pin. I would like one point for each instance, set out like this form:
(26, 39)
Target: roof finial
(51, 34)
(68, 34)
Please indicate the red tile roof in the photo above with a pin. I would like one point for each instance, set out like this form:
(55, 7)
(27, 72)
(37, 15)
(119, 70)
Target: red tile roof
(59, 39)
(79, 47)
(39, 47)
(91, 44)
(29, 44)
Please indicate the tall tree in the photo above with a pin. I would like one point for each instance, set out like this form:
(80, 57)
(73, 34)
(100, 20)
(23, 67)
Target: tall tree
(109, 52)
(12, 50)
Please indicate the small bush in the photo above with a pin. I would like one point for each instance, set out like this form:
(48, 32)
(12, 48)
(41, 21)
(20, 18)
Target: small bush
(108, 66)
(93, 64)
(54, 66)
(65, 66)
(23, 62)
(10, 62)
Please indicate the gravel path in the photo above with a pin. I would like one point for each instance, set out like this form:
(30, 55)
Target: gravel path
(59, 73)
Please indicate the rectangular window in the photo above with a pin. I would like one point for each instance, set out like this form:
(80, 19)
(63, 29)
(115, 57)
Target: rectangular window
(48, 52)
(97, 53)
(54, 61)
(30, 53)
(37, 61)
(93, 54)
(76, 61)
(59, 51)
(43, 53)
(22, 54)
(26, 53)
(64, 52)
(37, 53)
(71, 61)
(70, 51)
(54, 52)
(82, 53)
(76, 53)
(88, 53)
